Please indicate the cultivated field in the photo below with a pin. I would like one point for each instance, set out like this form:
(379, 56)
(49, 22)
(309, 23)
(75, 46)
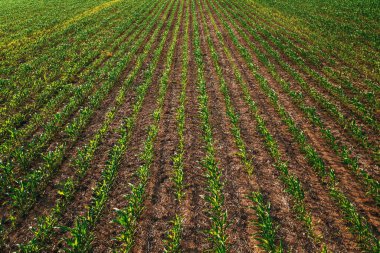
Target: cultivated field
(189, 126)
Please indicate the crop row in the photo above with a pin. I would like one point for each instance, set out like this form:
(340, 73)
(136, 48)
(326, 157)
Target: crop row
(37, 112)
(266, 231)
(308, 47)
(350, 125)
(358, 223)
(23, 195)
(311, 113)
(174, 234)
(128, 216)
(54, 72)
(80, 164)
(215, 196)
(81, 234)
(292, 183)
(29, 69)
(25, 155)
(19, 19)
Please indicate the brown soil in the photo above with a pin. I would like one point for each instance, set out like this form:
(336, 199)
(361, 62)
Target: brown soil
(83, 196)
(265, 173)
(131, 162)
(193, 206)
(75, 78)
(160, 204)
(335, 61)
(349, 182)
(108, 101)
(351, 187)
(342, 134)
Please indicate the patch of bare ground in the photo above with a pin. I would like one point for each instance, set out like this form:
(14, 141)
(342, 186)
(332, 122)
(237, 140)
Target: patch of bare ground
(193, 206)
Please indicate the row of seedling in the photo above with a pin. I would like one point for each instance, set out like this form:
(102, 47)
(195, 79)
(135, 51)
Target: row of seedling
(359, 225)
(41, 116)
(337, 91)
(23, 195)
(48, 94)
(347, 158)
(81, 235)
(267, 234)
(292, 183)
(23, 157)
(128, 216)
(213, 174)
(172, 243)
(316, 56)
(80, 164)
(58, 59)
(350, 125)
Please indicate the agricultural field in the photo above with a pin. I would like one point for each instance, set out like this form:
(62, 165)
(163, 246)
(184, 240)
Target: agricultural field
(189, 126)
